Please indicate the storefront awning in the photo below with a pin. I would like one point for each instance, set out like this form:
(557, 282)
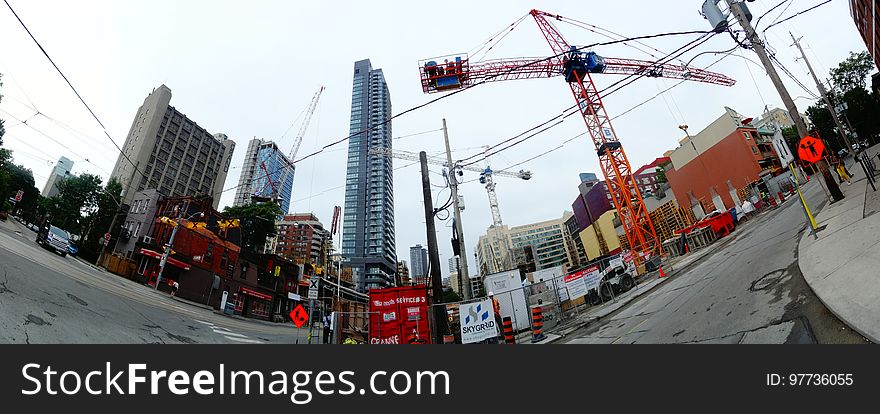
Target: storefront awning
(256, 294)
(172, 261)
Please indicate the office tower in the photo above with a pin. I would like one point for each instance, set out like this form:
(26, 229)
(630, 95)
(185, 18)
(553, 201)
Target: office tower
(418, 257)
(60, 172)
(267, 174)
(171, 153)
(368, 221)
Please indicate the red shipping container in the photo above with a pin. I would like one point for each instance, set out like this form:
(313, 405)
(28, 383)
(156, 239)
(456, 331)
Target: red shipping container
(399, 316)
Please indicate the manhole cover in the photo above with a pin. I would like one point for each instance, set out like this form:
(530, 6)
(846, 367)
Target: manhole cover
(767, 281)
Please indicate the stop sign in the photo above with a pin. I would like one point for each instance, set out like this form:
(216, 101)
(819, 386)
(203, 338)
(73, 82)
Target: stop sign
(106, 236)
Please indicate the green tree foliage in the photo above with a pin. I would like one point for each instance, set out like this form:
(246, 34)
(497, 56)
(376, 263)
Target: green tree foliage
(824, 123)
(77, 200)
(449, 296)
(853, 72)
(99, 222)
(21, 178)
(791, 137)
(257, 222)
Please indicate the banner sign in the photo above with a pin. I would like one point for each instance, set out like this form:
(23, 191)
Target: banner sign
(477, 322)
(574, 283)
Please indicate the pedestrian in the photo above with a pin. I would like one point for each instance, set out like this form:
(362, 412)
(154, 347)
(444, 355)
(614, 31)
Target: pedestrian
(496, 309)
(327, 331)
(843, 174)
(174, 287)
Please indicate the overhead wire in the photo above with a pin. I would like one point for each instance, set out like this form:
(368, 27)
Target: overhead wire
(629, 79)
(483, 81)
(75, 91)
(796, 15)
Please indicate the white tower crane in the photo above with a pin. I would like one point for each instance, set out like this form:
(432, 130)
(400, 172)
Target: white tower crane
(485, 175)
(297, 141)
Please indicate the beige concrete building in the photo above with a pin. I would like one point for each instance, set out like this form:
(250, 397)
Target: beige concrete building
(549, 240)
(172, 153)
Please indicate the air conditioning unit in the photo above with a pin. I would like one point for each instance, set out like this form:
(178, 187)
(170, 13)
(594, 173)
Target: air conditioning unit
(146, 240)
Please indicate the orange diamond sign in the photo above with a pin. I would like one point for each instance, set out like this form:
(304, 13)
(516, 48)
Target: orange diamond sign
(299, 316)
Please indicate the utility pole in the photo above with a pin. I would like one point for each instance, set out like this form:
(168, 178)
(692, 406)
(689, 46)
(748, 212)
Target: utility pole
(440, 327)
(758, 46)
(464, 281)
(824, 94)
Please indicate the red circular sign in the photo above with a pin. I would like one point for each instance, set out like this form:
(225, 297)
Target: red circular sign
(811, 149)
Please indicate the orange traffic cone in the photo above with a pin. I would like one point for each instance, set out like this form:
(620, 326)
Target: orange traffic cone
(662, 273)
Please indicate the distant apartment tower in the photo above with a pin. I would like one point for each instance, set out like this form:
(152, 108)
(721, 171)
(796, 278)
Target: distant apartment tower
(418, 258)
(267, 174)
(368, 222)
(548, 243)
(60, 172)
(302, 238)
(172, 153)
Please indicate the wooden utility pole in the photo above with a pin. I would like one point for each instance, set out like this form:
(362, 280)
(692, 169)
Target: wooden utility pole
(758, 45)
(464, 281)
(440, 322)
(824, 93)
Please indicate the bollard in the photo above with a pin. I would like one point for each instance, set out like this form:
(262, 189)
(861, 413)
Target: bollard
(508, 330)
(537, 324)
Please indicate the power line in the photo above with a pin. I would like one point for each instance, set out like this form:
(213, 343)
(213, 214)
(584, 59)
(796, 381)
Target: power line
(796, 15)
(629, 79)
(774, 8)
(485, 80)
(124, 155)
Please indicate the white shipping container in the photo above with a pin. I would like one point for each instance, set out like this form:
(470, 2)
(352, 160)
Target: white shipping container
(507, 287)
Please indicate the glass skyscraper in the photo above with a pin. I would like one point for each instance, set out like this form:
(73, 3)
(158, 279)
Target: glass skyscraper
(262, 162)
(368, 220)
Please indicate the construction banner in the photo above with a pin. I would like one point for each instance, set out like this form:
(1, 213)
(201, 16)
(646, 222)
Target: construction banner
(399, 316)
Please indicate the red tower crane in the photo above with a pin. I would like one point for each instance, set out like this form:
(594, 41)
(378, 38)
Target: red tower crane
(577, 67)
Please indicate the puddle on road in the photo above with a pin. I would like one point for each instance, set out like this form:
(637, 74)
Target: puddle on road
(36, 320)
(77, 299)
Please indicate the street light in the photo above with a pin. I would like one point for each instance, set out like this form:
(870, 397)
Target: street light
(171, 243)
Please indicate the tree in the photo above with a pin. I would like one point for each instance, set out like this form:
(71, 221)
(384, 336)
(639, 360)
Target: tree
(5, 156)
(257, 221)
(99, 221)
(853, 72)
(450, 296)
(20, 178)
(825, 125)
(77, 199)
(790, 134)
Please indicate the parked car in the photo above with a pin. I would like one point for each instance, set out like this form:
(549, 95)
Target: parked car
(72, 249)
(33, 227)
(54, 238)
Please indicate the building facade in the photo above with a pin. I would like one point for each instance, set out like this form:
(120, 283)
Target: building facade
(60, 172)
(302, 238)
(418, 259)
(546, 242)
(865, 15)
(403, 274)
(708, 168)
(267, 174)
(138, 223)
(368, 220)
(171, 153)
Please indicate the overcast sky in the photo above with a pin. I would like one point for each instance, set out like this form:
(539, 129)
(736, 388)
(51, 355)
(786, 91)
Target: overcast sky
(250, 68)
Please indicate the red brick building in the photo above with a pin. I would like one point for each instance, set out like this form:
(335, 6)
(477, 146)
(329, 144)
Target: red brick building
(303, 239)
(867, 19)
(723, 157)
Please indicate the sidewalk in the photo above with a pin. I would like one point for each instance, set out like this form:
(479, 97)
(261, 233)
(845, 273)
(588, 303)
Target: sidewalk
(842, 265)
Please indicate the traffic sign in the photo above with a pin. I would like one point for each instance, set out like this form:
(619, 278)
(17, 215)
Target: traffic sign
(106, 237)
(19, 195)
(810, 149)
(781, 147)
(313, 288)
(299, 316)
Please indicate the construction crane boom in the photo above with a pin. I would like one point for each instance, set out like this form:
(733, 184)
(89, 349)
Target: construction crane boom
(577, 67)
(305, 125)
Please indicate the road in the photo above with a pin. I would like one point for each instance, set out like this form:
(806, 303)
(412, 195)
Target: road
(46, 298)
(750, 290)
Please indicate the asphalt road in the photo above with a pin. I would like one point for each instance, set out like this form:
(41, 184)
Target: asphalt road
(45, 298)
(750, 290)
